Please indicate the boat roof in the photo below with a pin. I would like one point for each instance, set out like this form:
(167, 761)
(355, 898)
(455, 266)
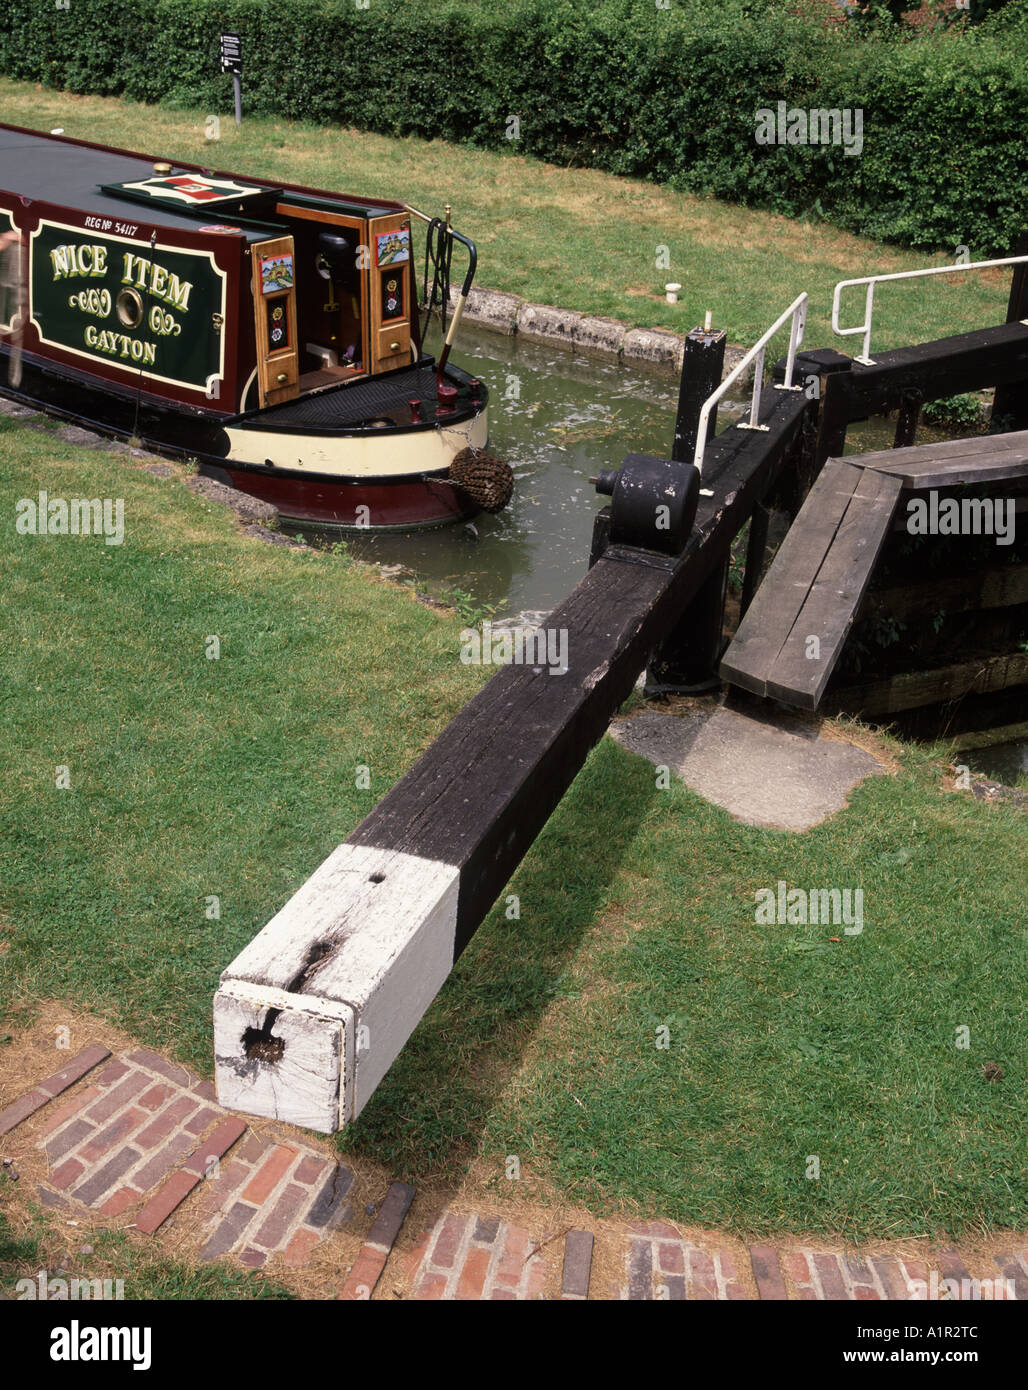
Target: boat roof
(76, 174)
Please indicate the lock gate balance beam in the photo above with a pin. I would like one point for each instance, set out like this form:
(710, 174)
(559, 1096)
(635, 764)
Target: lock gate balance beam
(311, 1015)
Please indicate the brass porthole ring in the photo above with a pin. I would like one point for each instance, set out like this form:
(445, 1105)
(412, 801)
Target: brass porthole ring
(129, 308)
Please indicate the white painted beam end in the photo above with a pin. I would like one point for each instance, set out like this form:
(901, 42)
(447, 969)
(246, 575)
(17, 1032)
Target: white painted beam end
(312, 1013)
(276, 1058)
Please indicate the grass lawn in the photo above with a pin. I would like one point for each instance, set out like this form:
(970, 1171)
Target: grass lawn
(637, 912)
(189, 777)
(576, 238)
(235, 777)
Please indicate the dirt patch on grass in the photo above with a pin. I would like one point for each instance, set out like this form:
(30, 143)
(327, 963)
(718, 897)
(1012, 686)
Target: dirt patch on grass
(33, 1053)
(882, 748)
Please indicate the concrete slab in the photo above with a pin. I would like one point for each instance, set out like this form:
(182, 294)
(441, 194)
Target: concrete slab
(780, 777)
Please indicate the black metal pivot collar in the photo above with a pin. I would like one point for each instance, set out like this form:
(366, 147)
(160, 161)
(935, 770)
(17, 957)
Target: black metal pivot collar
(653, 502)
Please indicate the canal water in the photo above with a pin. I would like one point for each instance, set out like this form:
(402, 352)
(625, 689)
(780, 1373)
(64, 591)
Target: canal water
(557, 418)
(1003, 762)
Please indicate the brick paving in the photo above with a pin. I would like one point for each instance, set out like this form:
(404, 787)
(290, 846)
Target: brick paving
(463, 1256)
(144, 1133)
(833, 1275)
(467, 1258)
(578, 1257)
(661, 1265)
(374, 1256)
(139, 1139)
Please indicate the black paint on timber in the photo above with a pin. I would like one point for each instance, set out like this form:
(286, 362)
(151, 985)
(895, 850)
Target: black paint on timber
(703, 361)
(906, 420)
(995, 356)
(601, 535)
(989, 710)
(756, 548)
(1004, 587)
(967, 362)
(1010, 403)
(687, 658)
(485, 788)
(823, 568)
(917, 688)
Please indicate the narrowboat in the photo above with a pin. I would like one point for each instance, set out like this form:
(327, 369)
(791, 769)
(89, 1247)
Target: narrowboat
(270, 331)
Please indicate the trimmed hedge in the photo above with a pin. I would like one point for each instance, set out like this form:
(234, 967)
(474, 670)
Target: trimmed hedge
(669, 95)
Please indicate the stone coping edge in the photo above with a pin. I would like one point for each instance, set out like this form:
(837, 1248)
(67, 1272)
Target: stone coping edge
(509, 314)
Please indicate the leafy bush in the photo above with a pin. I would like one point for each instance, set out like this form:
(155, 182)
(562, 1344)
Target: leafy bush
(669, 95)
(958, 412)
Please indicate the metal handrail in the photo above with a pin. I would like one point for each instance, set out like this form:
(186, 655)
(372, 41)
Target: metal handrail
(798, 310)
(871, 280)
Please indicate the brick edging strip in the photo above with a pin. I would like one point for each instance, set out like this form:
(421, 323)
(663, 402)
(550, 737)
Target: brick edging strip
(781, 1274)
(768, 1273)
(47, 1090)
(578, 1260)
(171, 1194)
(368, 1266)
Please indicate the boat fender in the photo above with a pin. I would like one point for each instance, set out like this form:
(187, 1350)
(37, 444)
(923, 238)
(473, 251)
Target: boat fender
(486, 479)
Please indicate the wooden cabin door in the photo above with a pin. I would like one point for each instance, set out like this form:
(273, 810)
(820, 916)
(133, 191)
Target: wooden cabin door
(390, 291)
(274, 304)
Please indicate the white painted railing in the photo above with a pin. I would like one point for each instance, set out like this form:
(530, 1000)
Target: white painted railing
(871, 280)
(798, 310)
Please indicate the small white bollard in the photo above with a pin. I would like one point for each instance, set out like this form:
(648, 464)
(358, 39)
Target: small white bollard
(672, 293)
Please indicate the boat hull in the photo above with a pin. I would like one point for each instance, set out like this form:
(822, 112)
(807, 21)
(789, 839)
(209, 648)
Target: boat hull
(391, 504)
(376, 478)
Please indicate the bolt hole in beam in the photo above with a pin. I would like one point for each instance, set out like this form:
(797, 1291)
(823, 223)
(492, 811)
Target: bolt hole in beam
(260, 1047)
